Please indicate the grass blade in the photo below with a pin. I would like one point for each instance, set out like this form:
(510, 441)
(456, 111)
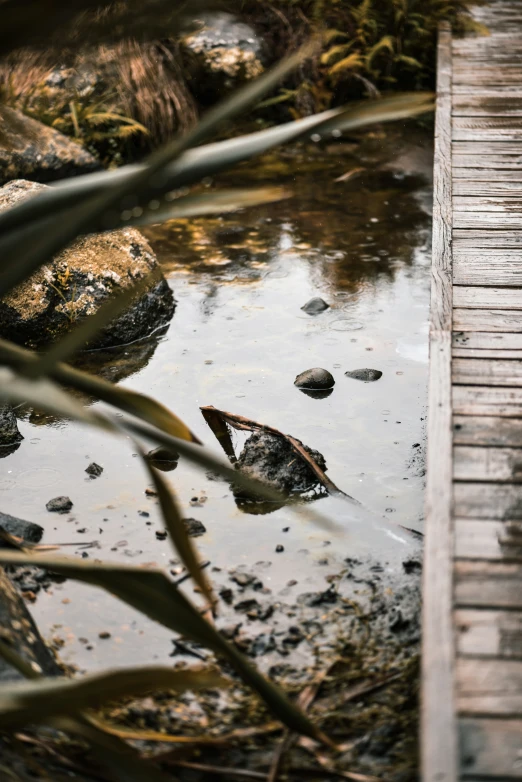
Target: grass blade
(152, 593)
(37, 700)
(139, 405)
(176, 528)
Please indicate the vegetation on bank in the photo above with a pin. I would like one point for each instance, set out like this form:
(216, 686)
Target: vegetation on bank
(136, 93)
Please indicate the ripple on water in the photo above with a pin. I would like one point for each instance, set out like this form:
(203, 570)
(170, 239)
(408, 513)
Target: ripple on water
(38, 478)
(345, 324)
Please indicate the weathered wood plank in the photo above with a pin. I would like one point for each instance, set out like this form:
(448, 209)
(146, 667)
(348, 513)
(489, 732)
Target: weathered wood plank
(490, 189)
(468, 320)
(487, 501)
(486, 372)
(479, 463)
(489, 687)
(487, 430)
(474, 175)
(494, 147)
(486, 219)
(438, 733)
(470, 203)
(495, 162)
(484, 341)
(498, 541)
(483, 633)
(487, 298)
(490, 749)
(491, 268)
(481, 400)
(491, 585)
(489, 238)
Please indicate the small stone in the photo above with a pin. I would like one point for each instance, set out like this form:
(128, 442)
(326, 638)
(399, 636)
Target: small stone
(194, 527)
(144, 513)
(366, 375)
(151, 492)
(161, 534)
(9, 434)
(226, 595)
(94, 470)
(316, 379)
(104, 634)
(162, 458)
(315, 306)
(279, 548)
(243, 579)
(59, 505)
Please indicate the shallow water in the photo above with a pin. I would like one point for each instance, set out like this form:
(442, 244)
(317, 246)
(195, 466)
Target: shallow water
(237, 340)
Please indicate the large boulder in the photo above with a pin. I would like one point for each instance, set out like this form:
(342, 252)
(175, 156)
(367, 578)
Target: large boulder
(31, 150)
(78, 281)
(223, 54)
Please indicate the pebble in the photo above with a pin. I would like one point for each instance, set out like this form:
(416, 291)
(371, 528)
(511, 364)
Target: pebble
(94, 470)
(194, 528)
(104, 634)
(59, 505)
(279, 548)
(366, 375)
(315, 306)
(316, 379)
(161, 534)
(163, 458)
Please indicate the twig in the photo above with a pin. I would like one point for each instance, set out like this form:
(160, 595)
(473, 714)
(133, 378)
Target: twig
(240, 773)
(357, 692)
(186, 577)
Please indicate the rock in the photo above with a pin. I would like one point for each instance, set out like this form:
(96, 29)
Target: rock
(315, 306)
(9, 434)
(279, 548)
(94, 470)
(163, 458)
(59, 505)
(19, 632)
(194, 527)
(315, 379)
(221, 55)
(78, 281)
(30, 532)
(366, 375)
(161, 534)
(31, 150)
(272, 459)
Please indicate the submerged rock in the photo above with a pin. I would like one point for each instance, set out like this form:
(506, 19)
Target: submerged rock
(31, 150)
(194, 527)
(273, 460)
(28, 530)
(223, 54)
(366, 375)
(315, 379)
(78, 281)
(59, 505)
(94, 470)
(9, 434)
(315, 306)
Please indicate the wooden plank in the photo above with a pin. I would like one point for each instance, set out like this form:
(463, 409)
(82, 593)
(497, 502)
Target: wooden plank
(487, 430)
(489, 238)
(490, 189)
(496, 162)
(485, 341)
(489, 687)
(494, 147)
(491, 585)
(495, 354)
(483, 633)
(487, 298)
(487, 219)
(487, 501)
(487, 372)
(481, 400)
(471, 203)
(490, 748)
(480, 463)
(438, 720)
(498, 541)
(467, 320)
(487, 268)
(475, 175)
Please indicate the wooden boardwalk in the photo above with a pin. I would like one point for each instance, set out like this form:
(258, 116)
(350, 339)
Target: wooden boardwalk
(472, 635)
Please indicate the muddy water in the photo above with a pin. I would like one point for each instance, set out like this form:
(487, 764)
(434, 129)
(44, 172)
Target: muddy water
(237, 341)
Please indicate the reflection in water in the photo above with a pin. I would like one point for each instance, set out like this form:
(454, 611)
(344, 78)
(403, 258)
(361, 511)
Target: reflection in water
(237, 341)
